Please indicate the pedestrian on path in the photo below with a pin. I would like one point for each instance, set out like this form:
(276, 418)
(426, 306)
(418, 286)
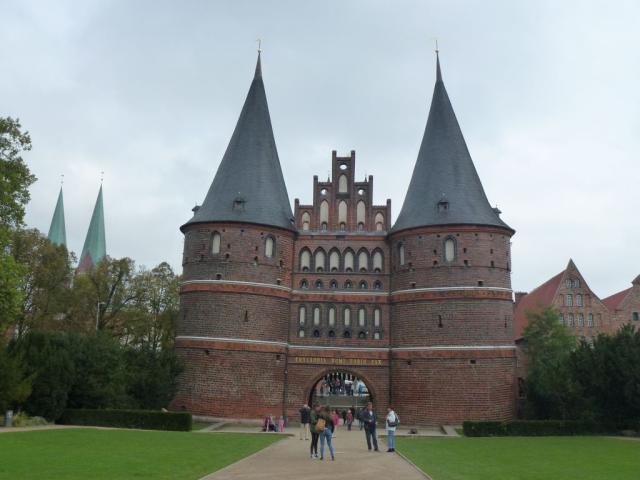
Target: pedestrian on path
(369, 418)
(336, 421)
(349, 419)
(305, 418)
(391, 423)
(281, 424)
(326, 434)
(313, 422)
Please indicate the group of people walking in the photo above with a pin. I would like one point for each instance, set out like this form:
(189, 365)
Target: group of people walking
(321, 423)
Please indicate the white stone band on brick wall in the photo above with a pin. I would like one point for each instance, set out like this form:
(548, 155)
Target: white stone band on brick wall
(375, 349)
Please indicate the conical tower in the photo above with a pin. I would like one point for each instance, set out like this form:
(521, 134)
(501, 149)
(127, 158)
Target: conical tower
(237, 263)
(57, 231)
(452, 309)
(94, 248)
(445, 188)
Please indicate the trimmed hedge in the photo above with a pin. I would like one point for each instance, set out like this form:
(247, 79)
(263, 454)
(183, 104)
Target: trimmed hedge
(530, 428)
(143, 419)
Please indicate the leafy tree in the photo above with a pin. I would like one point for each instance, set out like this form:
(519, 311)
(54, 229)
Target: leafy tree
(100, 297)
(609, 372)
(100, 373)
(48, 360)
(15, 385)
(45, 283)
(551, 390)
(155, 309)
(15, 179)
(153, 376)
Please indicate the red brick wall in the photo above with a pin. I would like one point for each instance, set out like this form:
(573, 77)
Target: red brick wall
(448, 389)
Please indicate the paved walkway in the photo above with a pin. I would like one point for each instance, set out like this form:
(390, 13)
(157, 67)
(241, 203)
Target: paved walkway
(289, 459)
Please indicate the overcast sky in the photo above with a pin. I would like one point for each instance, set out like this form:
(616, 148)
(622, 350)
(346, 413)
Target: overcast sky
(149, 92)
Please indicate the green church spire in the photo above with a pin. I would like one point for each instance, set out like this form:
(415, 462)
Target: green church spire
(57, 231)
(94, 248)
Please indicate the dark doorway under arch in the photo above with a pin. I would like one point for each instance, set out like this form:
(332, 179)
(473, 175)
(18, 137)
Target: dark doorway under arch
(340, 389)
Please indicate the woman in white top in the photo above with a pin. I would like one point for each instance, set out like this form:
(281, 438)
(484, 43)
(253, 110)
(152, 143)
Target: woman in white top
(391, 422)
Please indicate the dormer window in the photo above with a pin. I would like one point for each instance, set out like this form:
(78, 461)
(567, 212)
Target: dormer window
(443, 204)
(238, 204)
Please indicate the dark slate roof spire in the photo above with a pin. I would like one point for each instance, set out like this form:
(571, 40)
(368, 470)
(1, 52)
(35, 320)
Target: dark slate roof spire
(249, 186)
(445, 188)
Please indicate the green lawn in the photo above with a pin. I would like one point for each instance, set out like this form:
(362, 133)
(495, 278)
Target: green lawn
(524, 458)
(109, 454)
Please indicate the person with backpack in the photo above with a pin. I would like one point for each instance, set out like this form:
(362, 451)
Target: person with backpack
(326, 425)
(314, 417)
(305, 418)
(369, 418)
(391, 423)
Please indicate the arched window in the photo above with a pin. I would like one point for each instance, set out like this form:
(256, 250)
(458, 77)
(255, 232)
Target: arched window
(302, 315)
(316, 316)
(377, 285)
(269, 246)
(334, 261)
(347, 334)
(306, 221)
(318, 283)
(348, 261)
(342, 184)
(362, 335)
(576, 283)
(319, 260)
(348, 284)
(333, 284)
(361, 212)
(376, 335)
(342, 212)
(332, 317)
(215, 243)
(332, 333)
(301, 333)
(376, 318)
(324, 212)
(305, 260)
(449, 249)
(347, 317)
(401, 253)
(363, 261)
(362, 317)
(363, 285)
(379, 220)
(377, 261)
(304, 284)
(316, 333)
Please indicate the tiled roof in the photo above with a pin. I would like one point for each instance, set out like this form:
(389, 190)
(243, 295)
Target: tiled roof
(539, 298)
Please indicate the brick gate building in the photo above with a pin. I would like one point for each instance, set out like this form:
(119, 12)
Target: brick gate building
(272, 300)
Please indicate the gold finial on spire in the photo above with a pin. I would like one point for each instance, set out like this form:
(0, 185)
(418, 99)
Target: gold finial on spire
(259, 45)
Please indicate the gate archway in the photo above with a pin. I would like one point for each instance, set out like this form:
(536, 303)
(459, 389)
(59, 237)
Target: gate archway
(340, 389)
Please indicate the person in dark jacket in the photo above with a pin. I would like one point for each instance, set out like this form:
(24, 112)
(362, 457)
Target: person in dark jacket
(305, 419)
(369, 418)
(313, 420)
